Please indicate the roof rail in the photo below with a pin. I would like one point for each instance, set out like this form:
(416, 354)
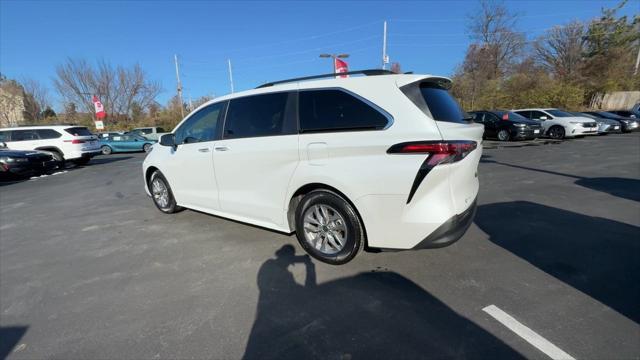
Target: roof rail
(371, 72)
(60, 124)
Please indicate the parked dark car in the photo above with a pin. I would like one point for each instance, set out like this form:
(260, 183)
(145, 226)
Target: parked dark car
(628, 124)
(507, 125)
(627, 113)
(20, 163)
(605, 126)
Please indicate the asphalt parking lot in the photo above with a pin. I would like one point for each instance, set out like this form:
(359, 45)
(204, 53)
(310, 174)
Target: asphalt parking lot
(90, 269)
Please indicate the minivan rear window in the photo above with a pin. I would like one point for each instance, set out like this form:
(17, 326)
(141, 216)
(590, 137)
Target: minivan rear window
(434, 99)
(78, 131)
(441, 104)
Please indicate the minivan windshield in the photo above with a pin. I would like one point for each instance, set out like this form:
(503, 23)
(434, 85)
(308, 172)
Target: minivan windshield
(559, 113)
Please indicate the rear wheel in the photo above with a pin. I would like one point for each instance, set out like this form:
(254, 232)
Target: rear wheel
(161, 194)
(106, 150)
(503, 135)
(146, 147)
(556, 132)
(328, 227)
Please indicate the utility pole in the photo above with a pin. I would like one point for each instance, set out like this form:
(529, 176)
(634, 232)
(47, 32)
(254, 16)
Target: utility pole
(635, 72)
(230, 75)
(385, 57)
(175, 58)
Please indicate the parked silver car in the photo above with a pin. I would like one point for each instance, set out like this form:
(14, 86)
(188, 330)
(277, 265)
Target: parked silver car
(605, 126)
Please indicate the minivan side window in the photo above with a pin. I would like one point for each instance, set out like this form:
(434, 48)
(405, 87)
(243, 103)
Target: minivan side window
(337, 110)
(201, 126)
(258, 115)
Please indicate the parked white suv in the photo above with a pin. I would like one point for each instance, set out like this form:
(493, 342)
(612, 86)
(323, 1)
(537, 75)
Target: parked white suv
(151, 133)
(64, 142)
(347, 163)
(558, 124)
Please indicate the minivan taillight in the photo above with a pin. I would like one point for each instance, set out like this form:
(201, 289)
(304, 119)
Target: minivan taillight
(438, 152)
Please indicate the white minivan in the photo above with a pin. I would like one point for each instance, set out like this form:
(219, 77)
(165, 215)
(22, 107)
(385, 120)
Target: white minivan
(377, 162)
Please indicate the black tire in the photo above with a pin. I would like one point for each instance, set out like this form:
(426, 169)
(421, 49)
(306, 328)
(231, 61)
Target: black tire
(503, 135)
(106, 150)
(58, 157)
(355, 234)
(171, 206)
(82, 161)
(146, 147)
(556, 132)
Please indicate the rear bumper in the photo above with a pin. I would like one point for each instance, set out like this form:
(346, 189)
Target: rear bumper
(451, 231)
(82, 154)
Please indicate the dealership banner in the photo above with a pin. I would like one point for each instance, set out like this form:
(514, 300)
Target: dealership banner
(341, 67)
(100, 114)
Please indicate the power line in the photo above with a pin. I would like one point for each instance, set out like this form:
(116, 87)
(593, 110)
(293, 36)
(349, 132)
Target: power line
(306, 38)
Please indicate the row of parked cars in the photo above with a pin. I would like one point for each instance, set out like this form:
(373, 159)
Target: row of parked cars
(527, 124)
(35, 150)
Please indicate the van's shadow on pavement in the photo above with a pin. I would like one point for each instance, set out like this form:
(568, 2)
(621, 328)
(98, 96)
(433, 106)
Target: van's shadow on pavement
(380, 315)
(621, 187)
(9, 338)
(599, 257)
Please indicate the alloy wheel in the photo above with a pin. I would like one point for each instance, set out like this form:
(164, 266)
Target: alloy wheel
(325, 229)
(160, 192)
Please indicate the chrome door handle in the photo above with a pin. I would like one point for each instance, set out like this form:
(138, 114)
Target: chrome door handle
(205, 150)
(221, 148)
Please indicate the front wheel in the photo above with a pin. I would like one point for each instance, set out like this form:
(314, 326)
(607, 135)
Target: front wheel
(503, 135)
(556, 132)
(161, 194)
(328, 227)
(106, 150)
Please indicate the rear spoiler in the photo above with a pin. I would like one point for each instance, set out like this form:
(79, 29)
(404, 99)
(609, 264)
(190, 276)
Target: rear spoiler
(417, 79)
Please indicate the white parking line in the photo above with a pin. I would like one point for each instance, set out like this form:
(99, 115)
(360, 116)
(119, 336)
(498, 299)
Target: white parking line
(529, 335)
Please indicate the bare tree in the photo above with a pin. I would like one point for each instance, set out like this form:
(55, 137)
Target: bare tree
(117, 87)
(493, 28)
(37, 96)
(561, 50)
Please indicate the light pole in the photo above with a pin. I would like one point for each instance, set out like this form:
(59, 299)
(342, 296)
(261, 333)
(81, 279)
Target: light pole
(334, 57)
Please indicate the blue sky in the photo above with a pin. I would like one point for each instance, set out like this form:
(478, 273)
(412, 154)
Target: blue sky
(264, 40)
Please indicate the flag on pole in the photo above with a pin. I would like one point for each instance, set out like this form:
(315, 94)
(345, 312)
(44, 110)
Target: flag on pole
(100, 114)
(341, 67)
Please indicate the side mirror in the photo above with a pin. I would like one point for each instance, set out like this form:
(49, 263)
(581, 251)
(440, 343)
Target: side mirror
(168, 140)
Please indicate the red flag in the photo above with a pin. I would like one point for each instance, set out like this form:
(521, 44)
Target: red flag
(341, 67)
(100, 114)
